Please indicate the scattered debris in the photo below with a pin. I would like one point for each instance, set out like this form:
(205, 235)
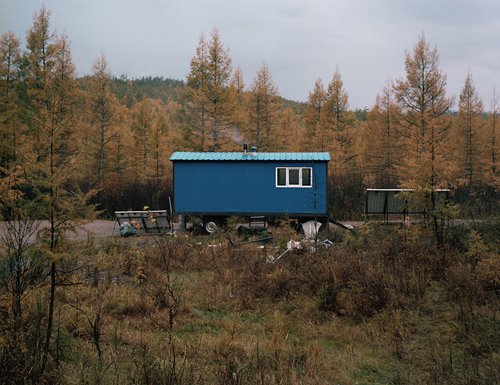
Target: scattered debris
(347, 226)
(216, 245)
(294, 245)
(127, 230)
(327, 243)
(323, 244)
(135, 225)
(311, 229)
(311, 245)
(259, 240)
(271, 259)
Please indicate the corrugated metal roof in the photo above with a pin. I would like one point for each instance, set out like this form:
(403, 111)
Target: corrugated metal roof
(260, 156)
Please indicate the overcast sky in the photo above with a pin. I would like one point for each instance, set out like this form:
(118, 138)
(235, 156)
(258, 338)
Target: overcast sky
(300, 40)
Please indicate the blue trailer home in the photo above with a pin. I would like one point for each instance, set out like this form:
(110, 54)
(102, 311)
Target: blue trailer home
(216, 185)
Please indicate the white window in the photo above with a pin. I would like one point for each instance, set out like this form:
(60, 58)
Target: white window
(293, 177)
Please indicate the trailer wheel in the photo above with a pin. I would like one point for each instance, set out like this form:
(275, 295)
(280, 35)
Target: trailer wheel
(210, 226)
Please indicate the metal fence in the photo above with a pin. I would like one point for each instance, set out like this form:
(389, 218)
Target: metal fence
(145, 222)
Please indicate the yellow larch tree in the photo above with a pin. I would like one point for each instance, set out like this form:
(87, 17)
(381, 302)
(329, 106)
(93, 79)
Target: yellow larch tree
(208, 94)
(220, 105)
(424, 120)
(491, 145)
(337, 128)
(315, 138)
(150, 129)
(289, 133)
(196, 97)
(51, 155)
(468, 136)
(10, 122)
(103, 128)
(263, 111)
(421, 97)
(380, 147)
(239, 118)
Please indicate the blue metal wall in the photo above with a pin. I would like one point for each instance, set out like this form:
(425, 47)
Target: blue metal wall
(246, 188)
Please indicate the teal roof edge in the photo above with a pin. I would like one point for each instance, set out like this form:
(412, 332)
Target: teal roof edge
(259, 156)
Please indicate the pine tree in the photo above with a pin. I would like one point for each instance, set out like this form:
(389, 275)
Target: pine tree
(263, 111)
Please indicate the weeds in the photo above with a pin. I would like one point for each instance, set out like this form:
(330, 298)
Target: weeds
(385, 306)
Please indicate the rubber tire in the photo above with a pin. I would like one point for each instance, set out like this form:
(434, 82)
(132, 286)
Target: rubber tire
(210, 226)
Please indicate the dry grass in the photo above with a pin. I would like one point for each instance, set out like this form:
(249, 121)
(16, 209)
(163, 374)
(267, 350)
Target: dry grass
(385, 307)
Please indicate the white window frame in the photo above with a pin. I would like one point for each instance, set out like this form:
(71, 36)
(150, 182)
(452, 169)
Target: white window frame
(287, 175)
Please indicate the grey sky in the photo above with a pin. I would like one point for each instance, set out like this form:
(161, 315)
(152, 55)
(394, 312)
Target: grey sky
(300, 40)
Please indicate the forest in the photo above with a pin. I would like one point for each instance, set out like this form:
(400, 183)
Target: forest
(118, 133)
(383, 305)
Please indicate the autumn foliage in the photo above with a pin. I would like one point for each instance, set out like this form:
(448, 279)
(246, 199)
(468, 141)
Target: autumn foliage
(384, 304)
(124, 130)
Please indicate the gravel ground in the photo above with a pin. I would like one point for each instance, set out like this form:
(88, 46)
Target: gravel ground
(98, 228)
(101, 228)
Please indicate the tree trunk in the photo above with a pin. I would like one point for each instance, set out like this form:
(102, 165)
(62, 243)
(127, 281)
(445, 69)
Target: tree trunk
(50, 320)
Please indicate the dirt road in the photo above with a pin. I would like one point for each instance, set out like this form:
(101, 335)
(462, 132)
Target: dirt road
(102, 228)
(97, 228)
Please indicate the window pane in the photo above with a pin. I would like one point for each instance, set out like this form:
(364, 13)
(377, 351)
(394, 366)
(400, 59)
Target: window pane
(293, 177)
(281, 176)
(306, 177)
